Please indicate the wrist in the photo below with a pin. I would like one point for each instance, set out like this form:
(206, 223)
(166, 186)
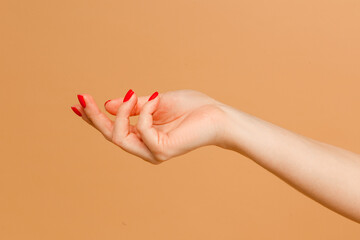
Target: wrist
(235, 128)
(226, 127)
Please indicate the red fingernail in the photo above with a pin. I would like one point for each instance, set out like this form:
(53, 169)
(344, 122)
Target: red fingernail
(155, 94)
(128, 95)
(106, 102)
(76, 111)
(81, 100)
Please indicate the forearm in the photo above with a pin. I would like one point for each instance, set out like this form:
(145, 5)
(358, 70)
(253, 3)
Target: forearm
(328, 174)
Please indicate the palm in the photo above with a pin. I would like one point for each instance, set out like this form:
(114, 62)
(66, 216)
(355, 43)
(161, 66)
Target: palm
(184, 120)
(178, 108)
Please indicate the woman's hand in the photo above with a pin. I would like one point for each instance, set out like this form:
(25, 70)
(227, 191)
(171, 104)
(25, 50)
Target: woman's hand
(170, 124)
(177, 122)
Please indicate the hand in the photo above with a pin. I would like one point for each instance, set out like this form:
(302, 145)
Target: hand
(169, 125)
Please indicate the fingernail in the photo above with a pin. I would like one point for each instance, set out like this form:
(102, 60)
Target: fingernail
(76, 111)
(128, 95)
(81, 100)
(155, 94)
(106, 102)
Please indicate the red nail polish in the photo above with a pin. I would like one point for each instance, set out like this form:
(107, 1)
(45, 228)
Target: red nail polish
(106, 102)
(128, 95)
(155, 94)
(81, 100)
(76, 111)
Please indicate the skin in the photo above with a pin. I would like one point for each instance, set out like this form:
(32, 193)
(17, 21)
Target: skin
(177, 122)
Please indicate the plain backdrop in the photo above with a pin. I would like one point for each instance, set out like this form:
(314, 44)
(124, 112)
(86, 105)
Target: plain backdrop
(292, 63)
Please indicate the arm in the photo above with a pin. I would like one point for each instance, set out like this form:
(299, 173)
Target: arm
(327, 174)
(173, 123)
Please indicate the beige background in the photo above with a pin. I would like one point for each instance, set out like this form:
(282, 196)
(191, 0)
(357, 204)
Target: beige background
(292, 63)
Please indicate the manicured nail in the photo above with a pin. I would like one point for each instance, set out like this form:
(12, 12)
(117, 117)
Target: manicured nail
(155, 94)
(128, 95)
(81, 100)
(106, 102)
(76, 111)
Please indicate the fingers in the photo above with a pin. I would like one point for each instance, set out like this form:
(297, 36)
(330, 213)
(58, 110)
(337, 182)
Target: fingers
(80, 112)
(125, 136)
(93, 114)
(153, 139)
(120, 131)
(122, 121)
(113, 105)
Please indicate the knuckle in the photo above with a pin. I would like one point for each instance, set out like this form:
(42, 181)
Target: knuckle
(155, 162)
(117, 140)
(161, 157)
(151, 160)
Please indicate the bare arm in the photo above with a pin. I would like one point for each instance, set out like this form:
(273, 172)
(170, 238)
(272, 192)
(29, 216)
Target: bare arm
(173, 123)
(327, 174)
